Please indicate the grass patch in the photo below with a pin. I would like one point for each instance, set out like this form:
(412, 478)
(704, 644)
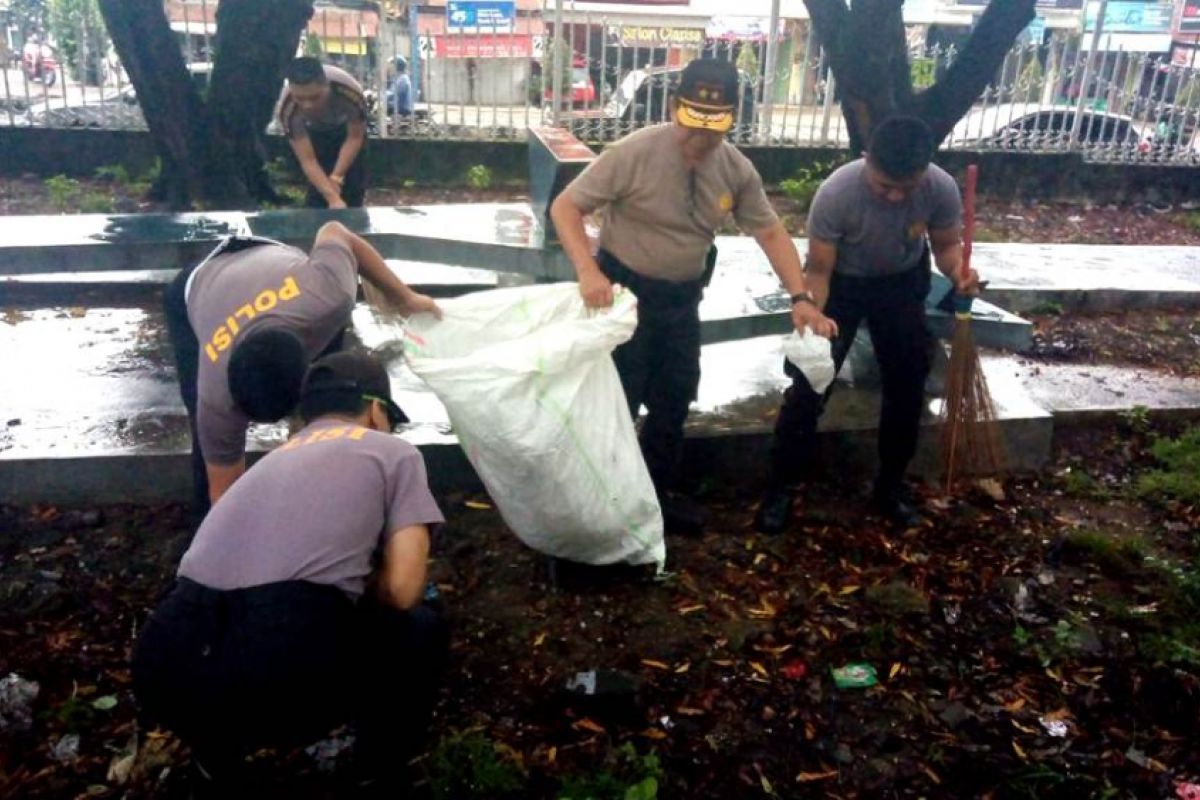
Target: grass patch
(1079, 483)
(1178, 477)
(1047, 308)
(470, 765)
(897, 599)
(1114, 555)
(625, 775)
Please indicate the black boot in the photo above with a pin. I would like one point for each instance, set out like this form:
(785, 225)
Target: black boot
(895, 503)
(774, 514)
(682, 515)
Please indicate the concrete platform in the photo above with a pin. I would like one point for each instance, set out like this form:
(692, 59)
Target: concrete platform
(95, 415)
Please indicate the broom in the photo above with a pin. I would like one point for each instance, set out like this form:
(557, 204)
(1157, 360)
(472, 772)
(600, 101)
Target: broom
(971, 441)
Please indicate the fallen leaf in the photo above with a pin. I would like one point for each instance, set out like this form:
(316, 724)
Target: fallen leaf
(1017, 749)
(478, 505)
(1015, 705)
(653, 733)
(933, 776)
(895, 670)
(552, 754)
(683, 612)
(540, 640)
(687, 711)
(808, 777)
(587, 724)
(655, 664)
(851, 589)
(766, 785)
(759, 668)
(105, 703)
(682, 668)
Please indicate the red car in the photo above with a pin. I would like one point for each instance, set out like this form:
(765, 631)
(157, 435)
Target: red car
(582, 90)
(39, 63)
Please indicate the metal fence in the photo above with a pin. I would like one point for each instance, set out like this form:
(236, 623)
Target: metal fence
(1063, 93)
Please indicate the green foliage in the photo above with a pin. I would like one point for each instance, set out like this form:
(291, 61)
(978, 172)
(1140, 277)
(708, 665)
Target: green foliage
(1047, 308)
(1137, 419)
(74, 714)
(1079, 483)
(96, 203)
(113, 173)
(79, 31)
(923, 71)
(28, 15)
(312, 45)
(1114, 555)
(565, 57)
(803, 186)
(470, 765)
(479, 177)
(625, 775)
(1032, 78)
(747, 59)
(1178, 478)
(1192, 221)
(64, 192)
(1021, 637)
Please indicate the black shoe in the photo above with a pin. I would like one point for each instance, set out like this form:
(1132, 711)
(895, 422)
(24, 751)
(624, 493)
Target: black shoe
(682, 515)
(774, 514)
(897, 506)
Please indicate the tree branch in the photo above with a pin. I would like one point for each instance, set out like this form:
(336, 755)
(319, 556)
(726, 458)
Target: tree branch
(949, 100)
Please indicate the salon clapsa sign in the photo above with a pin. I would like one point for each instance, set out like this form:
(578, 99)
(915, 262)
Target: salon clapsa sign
(651, 36)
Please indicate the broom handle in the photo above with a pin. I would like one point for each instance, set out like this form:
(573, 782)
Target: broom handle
(969, 218)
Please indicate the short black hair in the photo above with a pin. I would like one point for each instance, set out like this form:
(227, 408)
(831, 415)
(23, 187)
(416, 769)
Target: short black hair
(318, 404)
(306, 69)
(901, 146)
(265, 372)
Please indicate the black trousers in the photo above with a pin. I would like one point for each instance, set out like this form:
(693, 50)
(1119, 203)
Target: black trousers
(660, 365)
(327, 145)
(894, 310)
(284, 663)
(186, 347)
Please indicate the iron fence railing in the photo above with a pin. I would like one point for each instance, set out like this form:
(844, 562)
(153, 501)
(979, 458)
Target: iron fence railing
(492, 83)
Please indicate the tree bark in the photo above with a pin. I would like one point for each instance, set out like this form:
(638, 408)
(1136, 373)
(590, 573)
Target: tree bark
(947, 101)
(247, 77)
(867, 50)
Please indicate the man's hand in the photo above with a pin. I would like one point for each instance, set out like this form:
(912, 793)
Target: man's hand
(337, 202)
(596, 289)
(806, 315)
(968, 284)
(422, 304)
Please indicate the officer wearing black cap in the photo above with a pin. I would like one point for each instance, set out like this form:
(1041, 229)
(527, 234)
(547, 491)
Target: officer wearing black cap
(298, 606)
(662, 193)
(246, 322)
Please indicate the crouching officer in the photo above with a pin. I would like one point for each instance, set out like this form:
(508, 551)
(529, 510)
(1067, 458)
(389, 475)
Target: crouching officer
(246, 322)
(298, 605)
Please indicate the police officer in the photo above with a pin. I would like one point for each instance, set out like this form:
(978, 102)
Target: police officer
(872, 227)
(244, 325)
(662, 192)
(299, 605)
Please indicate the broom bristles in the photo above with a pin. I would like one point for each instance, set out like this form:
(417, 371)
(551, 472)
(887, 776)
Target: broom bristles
(972, 444)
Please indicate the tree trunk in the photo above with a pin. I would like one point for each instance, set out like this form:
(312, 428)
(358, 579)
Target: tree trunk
(247, 78)
(868, 53)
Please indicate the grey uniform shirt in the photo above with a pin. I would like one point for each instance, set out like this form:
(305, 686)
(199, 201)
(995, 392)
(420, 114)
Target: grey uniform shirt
(316, 509)
(272, 285)
(658, 216)
(875, 237)
(345, 104)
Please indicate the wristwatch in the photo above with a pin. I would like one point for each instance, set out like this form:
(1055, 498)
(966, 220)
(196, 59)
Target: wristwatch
(804, 297)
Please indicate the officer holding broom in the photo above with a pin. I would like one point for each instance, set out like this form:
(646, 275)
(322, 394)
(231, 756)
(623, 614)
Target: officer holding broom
(871, 230)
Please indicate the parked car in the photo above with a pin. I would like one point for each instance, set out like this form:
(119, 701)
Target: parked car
(39, 63)
(644, 97)
(1031, 126)
(582, 89)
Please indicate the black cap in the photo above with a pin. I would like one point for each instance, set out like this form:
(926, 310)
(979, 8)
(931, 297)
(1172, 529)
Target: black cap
(707, 95)
(353, 373)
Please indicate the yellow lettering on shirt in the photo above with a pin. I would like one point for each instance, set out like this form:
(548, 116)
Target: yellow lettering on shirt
(354, 433)
(222, 338)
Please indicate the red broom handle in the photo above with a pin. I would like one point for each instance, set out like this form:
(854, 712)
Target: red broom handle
(969, 218)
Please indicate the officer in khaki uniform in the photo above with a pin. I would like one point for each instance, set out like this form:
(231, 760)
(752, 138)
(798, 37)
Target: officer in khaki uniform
(661, 193)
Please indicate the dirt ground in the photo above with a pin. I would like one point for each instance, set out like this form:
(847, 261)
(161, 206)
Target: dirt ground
(1039, 645)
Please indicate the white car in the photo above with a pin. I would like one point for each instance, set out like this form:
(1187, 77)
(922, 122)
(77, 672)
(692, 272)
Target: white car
(1033, 126)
